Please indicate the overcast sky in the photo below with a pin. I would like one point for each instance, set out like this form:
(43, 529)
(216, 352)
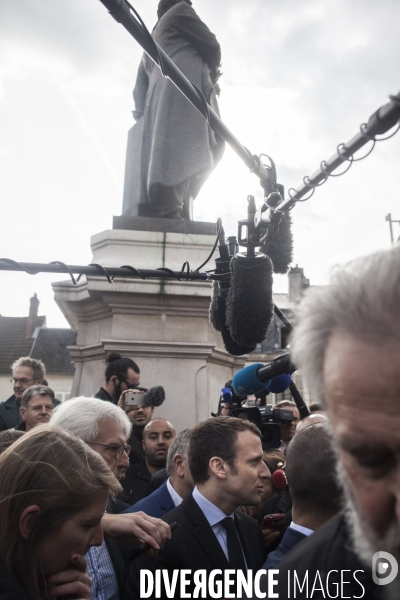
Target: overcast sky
(299, 77)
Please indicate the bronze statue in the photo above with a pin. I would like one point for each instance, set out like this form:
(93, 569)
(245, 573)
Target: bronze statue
(171, 149)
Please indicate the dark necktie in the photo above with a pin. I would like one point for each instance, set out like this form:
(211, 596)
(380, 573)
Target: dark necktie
(235, 553)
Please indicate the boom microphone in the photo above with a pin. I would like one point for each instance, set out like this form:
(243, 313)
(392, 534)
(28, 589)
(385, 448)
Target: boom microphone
(217, 312)
(249, 306)
(278, 244)
(256, 377)
(213, 311)
(279, 384)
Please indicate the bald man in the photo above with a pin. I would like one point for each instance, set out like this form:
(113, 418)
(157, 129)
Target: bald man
(157, 438)
(311, 420)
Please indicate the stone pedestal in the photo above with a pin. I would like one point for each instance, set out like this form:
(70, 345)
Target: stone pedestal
(162, 325)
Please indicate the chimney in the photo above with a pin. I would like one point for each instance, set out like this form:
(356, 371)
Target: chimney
(33, 313)
(297, 284)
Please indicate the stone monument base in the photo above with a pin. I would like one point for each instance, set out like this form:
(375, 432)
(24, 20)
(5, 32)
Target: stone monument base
(161, 324)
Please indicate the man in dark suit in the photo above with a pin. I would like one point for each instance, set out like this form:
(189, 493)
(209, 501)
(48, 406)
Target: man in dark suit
(226, 463)
(327, 551)
(179, 484)
(316, 495)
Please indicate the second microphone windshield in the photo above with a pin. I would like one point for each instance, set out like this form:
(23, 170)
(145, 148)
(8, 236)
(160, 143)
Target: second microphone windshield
(249, 306)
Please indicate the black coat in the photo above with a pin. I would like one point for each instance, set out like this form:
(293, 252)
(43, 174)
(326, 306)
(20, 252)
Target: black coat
(136, 454)
(9, 589)
(115, 507)
(101, 394)
(327, 549)
(9, 413)
(136, 483)
(193, 545)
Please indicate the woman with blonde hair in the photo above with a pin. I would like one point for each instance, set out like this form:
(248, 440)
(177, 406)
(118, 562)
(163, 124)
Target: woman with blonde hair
(53, 494)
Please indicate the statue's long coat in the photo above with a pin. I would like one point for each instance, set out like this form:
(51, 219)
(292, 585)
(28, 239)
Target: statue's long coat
(176, 142)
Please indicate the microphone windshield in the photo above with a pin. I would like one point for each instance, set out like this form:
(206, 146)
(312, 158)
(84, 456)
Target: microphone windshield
(245, 382)
(278, 244)
(249, 306)
(279, 479)
(226, 394)
(279, 384)
(230, 345)
(154, 396)
(213, 311)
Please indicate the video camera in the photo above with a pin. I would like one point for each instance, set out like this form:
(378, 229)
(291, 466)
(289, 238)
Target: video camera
(265, 416)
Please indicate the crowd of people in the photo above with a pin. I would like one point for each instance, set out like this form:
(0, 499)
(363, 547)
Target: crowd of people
(86, 483)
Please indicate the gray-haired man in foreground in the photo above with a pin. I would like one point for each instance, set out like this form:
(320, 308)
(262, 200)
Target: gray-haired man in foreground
(347, 345)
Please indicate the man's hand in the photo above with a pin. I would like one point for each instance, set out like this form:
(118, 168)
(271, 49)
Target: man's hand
(269, 536)
(121, 401)
(73, 583)
(136, 528)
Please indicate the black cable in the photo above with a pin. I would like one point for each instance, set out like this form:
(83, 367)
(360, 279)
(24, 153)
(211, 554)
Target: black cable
(58, 262)
(93, 269)
(219, 229)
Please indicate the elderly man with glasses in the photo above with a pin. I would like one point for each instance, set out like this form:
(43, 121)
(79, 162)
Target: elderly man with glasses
(106, 428)
(26, 372)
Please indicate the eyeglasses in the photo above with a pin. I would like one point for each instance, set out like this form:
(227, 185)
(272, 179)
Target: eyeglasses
(118, 449)
(21, 381)
(131, 386)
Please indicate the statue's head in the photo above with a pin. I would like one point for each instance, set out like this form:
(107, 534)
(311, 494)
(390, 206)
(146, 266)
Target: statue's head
(165, 5)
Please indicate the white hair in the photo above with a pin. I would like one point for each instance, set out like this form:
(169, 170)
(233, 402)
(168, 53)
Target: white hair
(363, 299)
(81, 417)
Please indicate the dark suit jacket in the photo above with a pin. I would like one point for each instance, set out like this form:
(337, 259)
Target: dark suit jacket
(114, 507)
(136, 483)
(156, 505)
(101, 394)
(193, 545)
(289, 541)
(9, 413)
(136, 454)
(328, 549)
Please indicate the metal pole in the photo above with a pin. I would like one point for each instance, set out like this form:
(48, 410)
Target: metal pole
(389, 218)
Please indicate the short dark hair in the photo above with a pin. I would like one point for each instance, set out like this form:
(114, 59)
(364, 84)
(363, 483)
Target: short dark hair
(311, 470)
(118, 365)
(36, 390)
(215, 437)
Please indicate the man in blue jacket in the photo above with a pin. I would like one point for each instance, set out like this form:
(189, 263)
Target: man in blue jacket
(315, 491)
